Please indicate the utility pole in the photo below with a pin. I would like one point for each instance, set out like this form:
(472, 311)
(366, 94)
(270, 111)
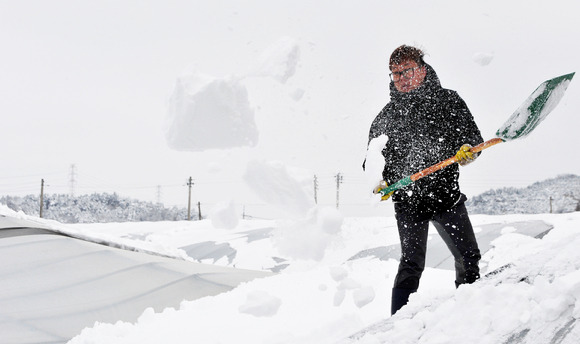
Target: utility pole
(190, 184)
(315, 189)
(158, 194)
(338, 182)
(551, 204)
(72, 179)
(199, 210)
(41, 196)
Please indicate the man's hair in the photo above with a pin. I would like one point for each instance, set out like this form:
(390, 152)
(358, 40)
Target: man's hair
(406, 53)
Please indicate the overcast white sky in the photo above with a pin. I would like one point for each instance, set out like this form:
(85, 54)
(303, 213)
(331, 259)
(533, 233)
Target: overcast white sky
(87, 83)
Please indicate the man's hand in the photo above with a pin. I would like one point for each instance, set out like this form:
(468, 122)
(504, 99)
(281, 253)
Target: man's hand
(465, 156)
(381, 186)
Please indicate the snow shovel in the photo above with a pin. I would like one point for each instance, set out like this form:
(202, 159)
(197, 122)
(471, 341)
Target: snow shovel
(525, 119)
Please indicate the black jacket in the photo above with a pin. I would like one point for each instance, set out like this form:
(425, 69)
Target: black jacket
(424, 127)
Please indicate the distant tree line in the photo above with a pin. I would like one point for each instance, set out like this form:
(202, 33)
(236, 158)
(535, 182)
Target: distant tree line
(94, 208)
(557, 195)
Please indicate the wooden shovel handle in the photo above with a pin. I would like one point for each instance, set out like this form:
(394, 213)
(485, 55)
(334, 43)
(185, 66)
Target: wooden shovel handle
(486, 145)
(453, 159)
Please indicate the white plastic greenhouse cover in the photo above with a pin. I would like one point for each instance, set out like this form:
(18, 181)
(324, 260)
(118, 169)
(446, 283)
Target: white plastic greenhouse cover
(53, 286)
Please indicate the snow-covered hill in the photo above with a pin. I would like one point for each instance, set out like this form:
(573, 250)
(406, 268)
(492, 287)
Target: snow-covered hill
(557, 195)
(92, 208)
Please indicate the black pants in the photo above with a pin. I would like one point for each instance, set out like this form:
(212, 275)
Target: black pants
(454, 228)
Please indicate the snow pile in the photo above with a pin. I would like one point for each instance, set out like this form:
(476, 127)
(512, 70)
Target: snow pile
(537, 300)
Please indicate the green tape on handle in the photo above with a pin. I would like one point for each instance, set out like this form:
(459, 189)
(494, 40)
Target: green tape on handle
(398, 185)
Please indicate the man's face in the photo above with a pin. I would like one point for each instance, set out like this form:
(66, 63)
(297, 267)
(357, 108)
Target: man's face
(407, 76)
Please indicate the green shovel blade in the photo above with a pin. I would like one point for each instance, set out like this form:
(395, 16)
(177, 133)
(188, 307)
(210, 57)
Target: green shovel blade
(538, 105)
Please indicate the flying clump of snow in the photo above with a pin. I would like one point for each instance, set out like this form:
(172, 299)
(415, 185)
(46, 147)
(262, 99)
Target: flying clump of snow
(279, 61)
(224, 215)
(483, 59)
(308, 238)
(287, 188)
(308, 230)
(210, 113)
(297, 94)
(363, 296)
(206, 112)
(375, 163)
(338, 273)
(329, 219)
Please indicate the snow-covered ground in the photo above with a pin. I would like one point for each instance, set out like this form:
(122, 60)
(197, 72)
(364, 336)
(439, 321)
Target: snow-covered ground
(321, 295)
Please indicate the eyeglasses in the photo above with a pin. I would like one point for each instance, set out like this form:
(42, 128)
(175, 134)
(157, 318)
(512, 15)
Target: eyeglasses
(408, 73)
